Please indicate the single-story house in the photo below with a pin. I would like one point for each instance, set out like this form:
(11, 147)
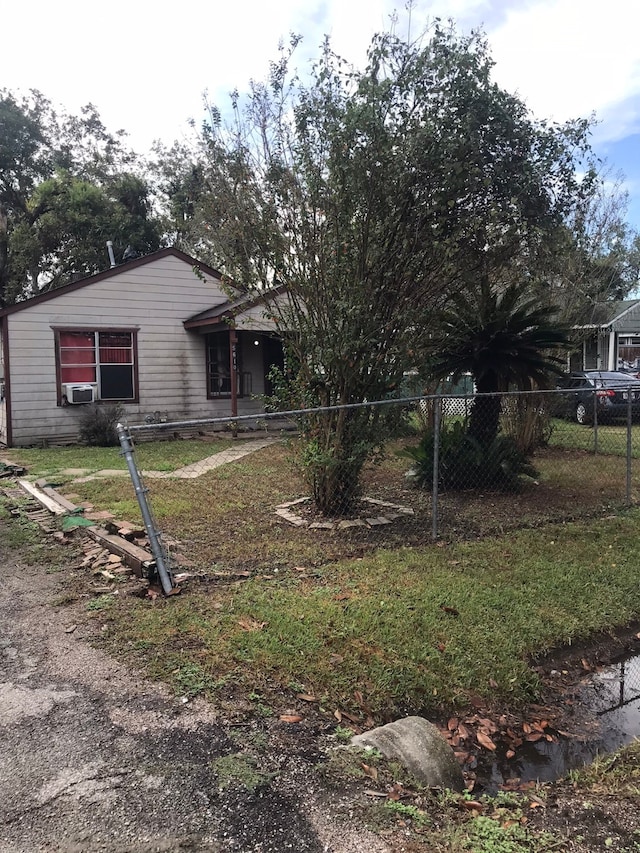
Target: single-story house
(159, 335)
(611, 338)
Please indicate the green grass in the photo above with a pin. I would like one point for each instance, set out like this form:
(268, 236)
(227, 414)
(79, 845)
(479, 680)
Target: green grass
(609, 439)
(376, 625)
(149, 456)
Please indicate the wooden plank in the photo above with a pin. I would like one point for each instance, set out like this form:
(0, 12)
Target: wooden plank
(132, 555)
(51, 492)
(45, 500)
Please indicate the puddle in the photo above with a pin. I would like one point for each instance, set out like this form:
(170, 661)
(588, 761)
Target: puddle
(610, 703)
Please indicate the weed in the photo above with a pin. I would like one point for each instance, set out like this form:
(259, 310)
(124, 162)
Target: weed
(343, 733)
(102, 602)
(419, 817)
(238, 769)
(64, 599)
(190, 679)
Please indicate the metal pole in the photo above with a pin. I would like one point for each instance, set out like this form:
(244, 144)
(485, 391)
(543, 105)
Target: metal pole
(141, 494)
(595, 422)
(436, 466)
(629, 442)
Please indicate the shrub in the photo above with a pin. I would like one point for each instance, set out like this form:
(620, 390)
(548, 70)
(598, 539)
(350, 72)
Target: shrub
(465, 464)
(97, 426)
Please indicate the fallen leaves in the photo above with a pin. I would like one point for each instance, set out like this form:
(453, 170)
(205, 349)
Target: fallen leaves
(290, 718)
(485, 740)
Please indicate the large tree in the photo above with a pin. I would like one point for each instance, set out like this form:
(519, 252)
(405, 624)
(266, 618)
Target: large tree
(66, 187)
(368, 197)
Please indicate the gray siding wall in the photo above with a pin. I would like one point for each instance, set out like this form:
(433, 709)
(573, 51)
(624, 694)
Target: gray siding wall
(155, 298)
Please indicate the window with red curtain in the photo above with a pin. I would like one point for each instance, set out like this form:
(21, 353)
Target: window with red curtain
(77, 357)
(105, 358)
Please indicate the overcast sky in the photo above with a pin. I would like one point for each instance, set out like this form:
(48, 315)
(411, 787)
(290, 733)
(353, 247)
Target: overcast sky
(146, 64)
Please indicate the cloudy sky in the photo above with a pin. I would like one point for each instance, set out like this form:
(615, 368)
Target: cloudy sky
(145, 64)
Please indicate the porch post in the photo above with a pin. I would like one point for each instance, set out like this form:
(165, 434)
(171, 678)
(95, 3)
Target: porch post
(613, 363)
(233, 370)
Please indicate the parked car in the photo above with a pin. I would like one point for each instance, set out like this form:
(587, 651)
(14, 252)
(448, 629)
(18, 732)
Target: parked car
(607, 390)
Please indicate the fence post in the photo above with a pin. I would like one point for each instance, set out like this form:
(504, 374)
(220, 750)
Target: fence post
(141, 494)
(629, 442)
(595, 422)
(437, 412)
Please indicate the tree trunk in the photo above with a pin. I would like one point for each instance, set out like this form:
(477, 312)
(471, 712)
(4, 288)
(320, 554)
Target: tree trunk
(484, 421)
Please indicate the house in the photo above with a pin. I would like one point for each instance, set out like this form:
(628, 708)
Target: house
(160, 335)
(611, 340)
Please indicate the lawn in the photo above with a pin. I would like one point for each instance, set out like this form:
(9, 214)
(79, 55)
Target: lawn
(150, 456)
(405, 629)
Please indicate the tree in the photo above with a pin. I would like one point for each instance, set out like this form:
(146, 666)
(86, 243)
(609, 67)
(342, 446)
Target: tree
(602, 258)
(366, 198)
(66, 187)
(506, 339)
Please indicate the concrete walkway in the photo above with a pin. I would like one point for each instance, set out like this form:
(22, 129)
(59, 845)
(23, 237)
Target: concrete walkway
(188, 472)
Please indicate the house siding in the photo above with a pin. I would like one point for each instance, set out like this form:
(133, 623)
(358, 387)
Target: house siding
(155, 299)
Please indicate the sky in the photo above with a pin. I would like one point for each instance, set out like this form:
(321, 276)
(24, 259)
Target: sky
(145, 65)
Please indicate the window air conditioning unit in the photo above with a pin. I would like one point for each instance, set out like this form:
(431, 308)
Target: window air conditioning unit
(80, 393)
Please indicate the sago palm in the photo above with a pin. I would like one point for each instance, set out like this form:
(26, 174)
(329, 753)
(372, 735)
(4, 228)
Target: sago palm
(506, 339)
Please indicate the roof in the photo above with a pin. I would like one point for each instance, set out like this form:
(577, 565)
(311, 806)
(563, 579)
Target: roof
(92, 279)
(230, 309)
(609, 313)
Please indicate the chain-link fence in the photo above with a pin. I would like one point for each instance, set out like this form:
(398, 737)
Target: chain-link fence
(304, 487)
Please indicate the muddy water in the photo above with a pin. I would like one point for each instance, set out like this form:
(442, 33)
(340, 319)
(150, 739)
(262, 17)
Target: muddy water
(608, 704)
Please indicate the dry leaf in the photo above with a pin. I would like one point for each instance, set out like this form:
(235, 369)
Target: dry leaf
(369, 771)
(306, 697)
(493, 683)
(342, 596)
(290, 718)
(335, 659)
(510, 753)
(337, 715)
(463, 731)
(450, 610)
(485, 740)
(452, 725)
(473, 805)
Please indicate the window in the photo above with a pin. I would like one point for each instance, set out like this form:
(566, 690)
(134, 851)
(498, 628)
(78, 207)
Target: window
(104, 358)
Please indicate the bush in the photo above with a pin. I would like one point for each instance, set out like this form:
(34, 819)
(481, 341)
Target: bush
(98, 423)
(465, 464)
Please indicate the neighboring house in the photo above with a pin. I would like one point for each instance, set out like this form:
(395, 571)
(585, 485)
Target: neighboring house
(611, 340)
(158, 335)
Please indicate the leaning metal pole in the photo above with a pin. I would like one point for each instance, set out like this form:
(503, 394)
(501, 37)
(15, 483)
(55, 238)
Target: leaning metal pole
(141, 493)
